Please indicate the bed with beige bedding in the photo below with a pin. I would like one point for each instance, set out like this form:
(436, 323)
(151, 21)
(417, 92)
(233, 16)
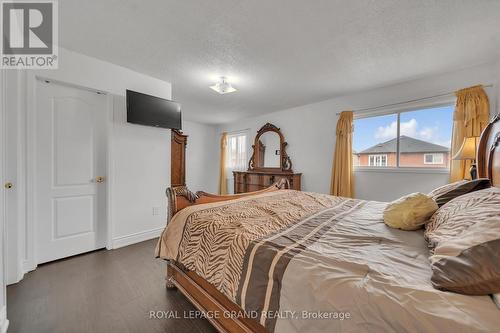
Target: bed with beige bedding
(307, 262)
(288, 261)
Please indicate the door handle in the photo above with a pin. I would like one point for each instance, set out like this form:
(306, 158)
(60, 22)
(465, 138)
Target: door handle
(8, 185)
(99, 179)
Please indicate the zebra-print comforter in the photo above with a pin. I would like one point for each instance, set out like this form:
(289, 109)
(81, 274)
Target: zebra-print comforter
(304, 262)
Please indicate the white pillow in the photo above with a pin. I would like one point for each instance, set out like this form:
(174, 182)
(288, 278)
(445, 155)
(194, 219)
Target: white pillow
(410, 212)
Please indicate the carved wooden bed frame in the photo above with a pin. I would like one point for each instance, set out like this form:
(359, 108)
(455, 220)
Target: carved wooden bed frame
(209, 300)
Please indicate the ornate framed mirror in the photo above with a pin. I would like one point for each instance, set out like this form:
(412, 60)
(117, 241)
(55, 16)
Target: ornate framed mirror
(269, 151)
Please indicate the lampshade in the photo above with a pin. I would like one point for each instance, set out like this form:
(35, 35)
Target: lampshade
(468, 149)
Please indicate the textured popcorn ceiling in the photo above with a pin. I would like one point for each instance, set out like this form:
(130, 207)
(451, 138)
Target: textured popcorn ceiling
(281, 53)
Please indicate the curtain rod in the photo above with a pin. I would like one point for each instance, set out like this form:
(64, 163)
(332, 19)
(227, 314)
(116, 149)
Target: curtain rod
(409, 101)
(237, 131)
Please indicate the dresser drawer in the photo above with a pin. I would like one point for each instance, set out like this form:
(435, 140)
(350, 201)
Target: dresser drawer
(246, 181)
(253, 188)
(268, 180)
(253, 179)
(239, 177)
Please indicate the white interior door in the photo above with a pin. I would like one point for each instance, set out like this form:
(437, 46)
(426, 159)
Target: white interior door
(70, 198)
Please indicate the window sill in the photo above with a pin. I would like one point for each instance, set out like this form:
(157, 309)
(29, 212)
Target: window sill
(402, 170)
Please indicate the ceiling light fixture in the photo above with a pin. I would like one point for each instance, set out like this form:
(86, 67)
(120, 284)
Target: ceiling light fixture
(223, 87)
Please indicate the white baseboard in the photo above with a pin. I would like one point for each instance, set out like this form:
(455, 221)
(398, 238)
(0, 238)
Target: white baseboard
(28, 266)
(18, 276)
(136, 237)
(4, 323)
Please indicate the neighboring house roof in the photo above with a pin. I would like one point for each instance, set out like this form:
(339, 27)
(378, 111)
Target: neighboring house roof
(406, 145)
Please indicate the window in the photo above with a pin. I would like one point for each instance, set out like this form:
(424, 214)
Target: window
(236, 152)
(377, 160)
(375, 136)
(433, 158)
(424, 139)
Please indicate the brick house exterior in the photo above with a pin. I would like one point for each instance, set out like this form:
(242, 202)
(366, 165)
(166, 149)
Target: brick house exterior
(413, 153)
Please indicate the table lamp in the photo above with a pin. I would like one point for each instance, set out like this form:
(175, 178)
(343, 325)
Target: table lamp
(468, 152)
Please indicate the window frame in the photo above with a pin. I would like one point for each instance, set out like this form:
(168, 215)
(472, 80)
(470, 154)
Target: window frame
(229, 136)
(433, 157)
(375, 158)
(430, 103)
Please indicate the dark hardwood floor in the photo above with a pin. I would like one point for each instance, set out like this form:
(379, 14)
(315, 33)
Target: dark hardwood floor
(102, 291)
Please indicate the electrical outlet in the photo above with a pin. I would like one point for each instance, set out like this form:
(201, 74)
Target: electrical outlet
(156, 211)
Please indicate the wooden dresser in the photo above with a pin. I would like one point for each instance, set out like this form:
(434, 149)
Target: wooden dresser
(269, 163)
(249, 181)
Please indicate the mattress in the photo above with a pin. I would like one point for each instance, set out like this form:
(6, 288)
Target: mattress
(307, 262)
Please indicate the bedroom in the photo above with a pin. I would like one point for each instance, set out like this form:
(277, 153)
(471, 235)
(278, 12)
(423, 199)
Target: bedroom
(83, 200)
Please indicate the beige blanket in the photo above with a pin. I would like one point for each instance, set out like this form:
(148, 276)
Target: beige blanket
(306, 262)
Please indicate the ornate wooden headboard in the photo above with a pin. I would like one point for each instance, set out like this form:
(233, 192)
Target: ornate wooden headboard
(488, 153)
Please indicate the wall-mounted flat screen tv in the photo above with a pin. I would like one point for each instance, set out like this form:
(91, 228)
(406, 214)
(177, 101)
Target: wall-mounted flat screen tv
(149, 110)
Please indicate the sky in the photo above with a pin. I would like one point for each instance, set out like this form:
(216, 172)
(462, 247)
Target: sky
(432, 125)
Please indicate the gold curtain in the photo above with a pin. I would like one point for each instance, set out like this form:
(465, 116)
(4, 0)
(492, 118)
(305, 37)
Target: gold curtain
(342, 183)
(472, 113)
(222, 170)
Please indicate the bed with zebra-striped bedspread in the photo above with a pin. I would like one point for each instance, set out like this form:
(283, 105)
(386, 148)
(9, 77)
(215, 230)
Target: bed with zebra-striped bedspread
(307, 262)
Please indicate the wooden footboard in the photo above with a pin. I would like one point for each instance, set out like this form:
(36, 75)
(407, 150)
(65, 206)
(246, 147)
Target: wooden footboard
(222, 313)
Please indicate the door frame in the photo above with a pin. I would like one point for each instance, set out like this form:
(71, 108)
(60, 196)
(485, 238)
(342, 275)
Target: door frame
(4, 322)
(31, 245)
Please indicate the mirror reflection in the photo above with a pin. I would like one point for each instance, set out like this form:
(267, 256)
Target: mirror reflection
(269, 150)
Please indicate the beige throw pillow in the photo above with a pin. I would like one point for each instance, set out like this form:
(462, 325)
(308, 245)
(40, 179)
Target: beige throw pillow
(469, 263)
(460, 213)
(465, 235)
(409, 212)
